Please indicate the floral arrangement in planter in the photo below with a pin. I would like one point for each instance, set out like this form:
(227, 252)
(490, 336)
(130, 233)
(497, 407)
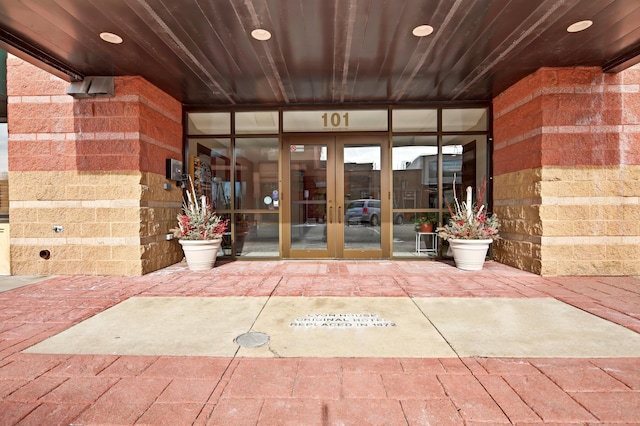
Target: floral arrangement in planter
(469, 231)
(426, 222)
(469, 221)
(198, 221)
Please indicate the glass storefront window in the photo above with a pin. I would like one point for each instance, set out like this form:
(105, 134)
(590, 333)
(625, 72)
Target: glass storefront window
(415, 186)
(414, 120)
(257, 235)
(308, 200)
(239, 169)
(210, 165)
(415, 172)
(464, 120)
(464, 156)
(257, 173)
(262, 122)
(209, 123)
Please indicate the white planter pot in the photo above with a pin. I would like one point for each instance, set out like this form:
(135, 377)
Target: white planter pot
(469, 255)
(200, 254)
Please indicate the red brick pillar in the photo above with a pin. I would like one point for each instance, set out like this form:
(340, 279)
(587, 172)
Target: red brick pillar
(94, 167)
(566, 172)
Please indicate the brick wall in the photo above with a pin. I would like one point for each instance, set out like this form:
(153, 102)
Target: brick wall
(567, 172)
(95, 167)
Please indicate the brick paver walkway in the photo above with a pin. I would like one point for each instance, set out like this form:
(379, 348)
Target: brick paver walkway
(40, 389)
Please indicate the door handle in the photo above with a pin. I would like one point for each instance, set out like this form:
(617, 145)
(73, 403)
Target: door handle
(330, 214)
(340, 214)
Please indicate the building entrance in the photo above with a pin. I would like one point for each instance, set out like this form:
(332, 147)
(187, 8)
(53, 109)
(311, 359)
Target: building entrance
(336, 184)
(337, 197)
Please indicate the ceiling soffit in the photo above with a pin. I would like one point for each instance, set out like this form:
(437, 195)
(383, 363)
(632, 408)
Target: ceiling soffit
(321, 52)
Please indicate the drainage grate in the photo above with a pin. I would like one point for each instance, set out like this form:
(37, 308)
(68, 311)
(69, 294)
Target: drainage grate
(252, 339)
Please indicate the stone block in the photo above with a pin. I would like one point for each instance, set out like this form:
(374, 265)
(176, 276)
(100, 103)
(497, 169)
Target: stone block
(95, 230)
(97, 252)
(589, 227)
(16, 230)
(72, 230)
(556, 173)
(531, 228)
(605, 212)
(126, 252)
(49, 215)
(627, 252)
(607, 189)
(40, 230)
(121, 192)
(125, 229)
(622, 228)
(577, 189)
(552, 189)
(573, 212)
(552, 252)
(589, 252)
(111, 215)
(605, 267)
(80, 267)
(30, 267)
(631, 268)
(99, 179)
(631, 189)
(572, 267)
(628, 173)
(66, 252)
(594, 174)
(79, 214)
(631, 212)
(559, 228)
(23, 215)
(548, 212)
(80, 192)
(119, 268)
(549, 268)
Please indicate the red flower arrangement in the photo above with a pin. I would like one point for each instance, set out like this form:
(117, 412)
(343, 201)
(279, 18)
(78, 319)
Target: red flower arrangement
(198, 221)
(470, 221)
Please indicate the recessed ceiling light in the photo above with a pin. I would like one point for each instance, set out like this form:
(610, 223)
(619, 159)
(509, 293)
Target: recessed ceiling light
(579, 26)
(260, 34)
(422, 30)
(111, 38)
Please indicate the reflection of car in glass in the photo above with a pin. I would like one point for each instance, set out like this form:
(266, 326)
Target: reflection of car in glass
(364, 211)
(398, 217)
(368, 211)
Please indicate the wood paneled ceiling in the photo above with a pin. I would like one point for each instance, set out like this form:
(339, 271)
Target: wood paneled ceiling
(321, 51)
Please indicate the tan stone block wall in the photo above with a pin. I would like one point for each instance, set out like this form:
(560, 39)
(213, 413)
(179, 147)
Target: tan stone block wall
(517, 204)
(561, 222)
(159, 208)
(594, 229)
(119, 231)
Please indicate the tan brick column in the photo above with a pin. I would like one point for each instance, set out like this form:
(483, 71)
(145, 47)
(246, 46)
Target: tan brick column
(94, 167)
(567, 172)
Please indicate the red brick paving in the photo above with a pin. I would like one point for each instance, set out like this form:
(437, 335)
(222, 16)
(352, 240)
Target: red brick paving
(38, 389)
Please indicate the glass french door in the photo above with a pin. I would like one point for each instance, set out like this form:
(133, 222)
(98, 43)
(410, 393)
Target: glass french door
(337, 204)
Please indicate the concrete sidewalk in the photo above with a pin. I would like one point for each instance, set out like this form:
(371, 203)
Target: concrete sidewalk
(292, 382)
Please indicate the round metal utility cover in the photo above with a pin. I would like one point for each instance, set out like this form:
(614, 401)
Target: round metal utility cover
(252, 339)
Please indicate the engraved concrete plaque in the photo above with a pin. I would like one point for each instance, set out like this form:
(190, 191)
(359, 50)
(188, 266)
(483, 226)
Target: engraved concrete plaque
(341, 320)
